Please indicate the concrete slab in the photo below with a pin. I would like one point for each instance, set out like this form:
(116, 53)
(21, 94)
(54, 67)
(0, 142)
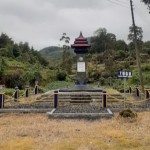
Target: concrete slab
(24, 110)
(107, 114)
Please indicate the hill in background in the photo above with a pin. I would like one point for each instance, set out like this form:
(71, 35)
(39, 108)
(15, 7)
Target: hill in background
(53, 54)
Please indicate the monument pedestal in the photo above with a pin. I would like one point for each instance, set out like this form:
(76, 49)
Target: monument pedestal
(81, 88)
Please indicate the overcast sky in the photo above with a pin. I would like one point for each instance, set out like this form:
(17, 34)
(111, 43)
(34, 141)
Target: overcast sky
(42, 22)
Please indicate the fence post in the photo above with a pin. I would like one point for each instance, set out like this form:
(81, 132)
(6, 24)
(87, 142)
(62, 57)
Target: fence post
(16, 94)
(130, 90)
(146, 94)
(1, 101)
(137, 91)
(55, 99)
(104, 100)
(27, 91)
(36, 89)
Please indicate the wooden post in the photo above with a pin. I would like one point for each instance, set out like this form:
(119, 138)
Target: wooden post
(130, 90)
(137, 92)
(1, 101)
(27, 91)
(16, 94)
(36, 89)
(146, 93)
(55, 99)
(104, 100)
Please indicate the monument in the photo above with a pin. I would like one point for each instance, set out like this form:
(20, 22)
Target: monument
(81, 46)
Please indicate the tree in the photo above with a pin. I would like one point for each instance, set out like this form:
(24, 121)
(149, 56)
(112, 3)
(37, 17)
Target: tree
(16, 50)
(139, 33)
(121, 45)
(5, 41)
(147, 2)
(25, 47)
(102, 41)
(146, 47)
(66, 63)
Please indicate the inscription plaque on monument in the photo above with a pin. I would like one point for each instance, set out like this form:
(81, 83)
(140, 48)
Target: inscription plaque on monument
(80, 66)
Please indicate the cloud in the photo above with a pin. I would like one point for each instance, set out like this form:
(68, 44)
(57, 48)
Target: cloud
(42, 22)
(80, 4)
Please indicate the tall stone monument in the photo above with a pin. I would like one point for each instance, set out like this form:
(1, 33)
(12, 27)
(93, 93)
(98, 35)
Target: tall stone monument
(81, 48)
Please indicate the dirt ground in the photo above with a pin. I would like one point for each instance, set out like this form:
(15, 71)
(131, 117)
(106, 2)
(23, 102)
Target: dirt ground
(37, 132)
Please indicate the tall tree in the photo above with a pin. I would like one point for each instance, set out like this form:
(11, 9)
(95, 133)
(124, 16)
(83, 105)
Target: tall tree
(147, 2)
(5, 41)
(139, 33)
(16, 50)
(102, 41)
(121, 45)
(66, 56)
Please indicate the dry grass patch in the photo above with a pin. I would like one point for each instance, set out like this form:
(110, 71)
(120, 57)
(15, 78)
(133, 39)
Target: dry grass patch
(111, 91)
(37, 132)
(25, 143)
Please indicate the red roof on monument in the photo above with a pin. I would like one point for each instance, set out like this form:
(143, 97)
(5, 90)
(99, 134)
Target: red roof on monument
(81, 41)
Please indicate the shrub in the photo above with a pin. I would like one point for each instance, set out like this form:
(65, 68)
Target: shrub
(102, 81)
(61, 76)
(128, 114)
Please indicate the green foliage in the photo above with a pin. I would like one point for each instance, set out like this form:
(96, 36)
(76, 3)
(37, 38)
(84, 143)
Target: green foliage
(59, 85)
(9, 91)
(146, 67)
(93, 74)
(102, 81)
(120, 55)
(139, 33)
(5, 41)
(61, 75)
(102, 41)
(118, 84)
(20, 64)
(135, 79)
(16, 51)
(121, 45)
(54, 54)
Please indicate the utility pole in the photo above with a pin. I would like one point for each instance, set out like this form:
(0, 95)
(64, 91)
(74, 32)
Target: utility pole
(137, 49)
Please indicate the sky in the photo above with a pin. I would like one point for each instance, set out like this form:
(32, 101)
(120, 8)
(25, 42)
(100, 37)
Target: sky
(41, 23)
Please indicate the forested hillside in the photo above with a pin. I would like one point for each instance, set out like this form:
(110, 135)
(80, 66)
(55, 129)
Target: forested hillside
(20, 64)
(107, 55)
(53, 54)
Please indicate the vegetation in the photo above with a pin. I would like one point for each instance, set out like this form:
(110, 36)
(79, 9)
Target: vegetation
(53, 54)
(147, 2)
(21, 65)
(128, 114)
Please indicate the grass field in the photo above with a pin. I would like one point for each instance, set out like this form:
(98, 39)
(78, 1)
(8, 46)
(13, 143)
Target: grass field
(37, 132)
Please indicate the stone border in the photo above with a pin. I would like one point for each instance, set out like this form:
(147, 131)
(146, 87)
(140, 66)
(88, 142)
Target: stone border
(109, 114)
(24, 110)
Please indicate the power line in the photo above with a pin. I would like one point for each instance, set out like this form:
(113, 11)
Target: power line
(119, 4)
(123, 2)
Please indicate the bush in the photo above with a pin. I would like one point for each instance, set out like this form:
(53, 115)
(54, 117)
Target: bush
(102, 81)
(146, 67)
(128, 114)
(61, 76)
